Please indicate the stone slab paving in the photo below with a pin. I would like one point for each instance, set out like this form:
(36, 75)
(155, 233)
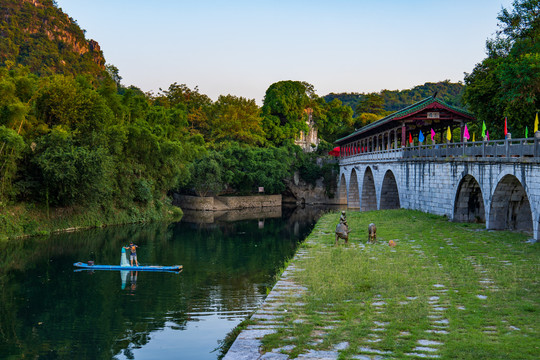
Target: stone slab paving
(247, 344)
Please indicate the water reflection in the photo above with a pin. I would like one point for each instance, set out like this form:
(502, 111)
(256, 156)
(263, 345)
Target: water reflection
(50, 311)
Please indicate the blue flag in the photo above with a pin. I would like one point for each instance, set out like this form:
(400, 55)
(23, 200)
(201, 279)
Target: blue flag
(421, 137)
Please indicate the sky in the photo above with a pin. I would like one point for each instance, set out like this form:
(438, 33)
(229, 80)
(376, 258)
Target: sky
(242, 47)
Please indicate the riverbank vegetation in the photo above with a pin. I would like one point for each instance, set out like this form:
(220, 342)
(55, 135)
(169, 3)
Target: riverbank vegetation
(66, 144)
(72, 136)
(447, 289)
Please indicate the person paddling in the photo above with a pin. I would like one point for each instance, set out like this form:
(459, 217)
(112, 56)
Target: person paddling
(133, 253)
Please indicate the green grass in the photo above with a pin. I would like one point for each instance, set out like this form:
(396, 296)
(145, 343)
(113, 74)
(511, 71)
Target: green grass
(432, 254)
(25, 219)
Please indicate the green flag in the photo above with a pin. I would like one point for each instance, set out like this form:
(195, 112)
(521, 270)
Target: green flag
(483, 129)
(526, 132)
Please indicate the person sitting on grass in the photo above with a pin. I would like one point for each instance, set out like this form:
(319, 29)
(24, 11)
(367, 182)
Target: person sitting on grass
(133, 253)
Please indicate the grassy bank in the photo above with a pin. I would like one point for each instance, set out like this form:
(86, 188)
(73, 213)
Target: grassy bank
(30, 220)
(447, 290)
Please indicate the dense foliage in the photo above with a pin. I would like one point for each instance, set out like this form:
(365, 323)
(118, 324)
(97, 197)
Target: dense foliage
(65, 142)
(71, 133)
(507, 82)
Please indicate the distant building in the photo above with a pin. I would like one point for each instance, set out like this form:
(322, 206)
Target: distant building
(309, 142)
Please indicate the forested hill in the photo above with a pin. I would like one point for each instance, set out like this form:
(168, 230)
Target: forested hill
(38, 34)
(451, 93)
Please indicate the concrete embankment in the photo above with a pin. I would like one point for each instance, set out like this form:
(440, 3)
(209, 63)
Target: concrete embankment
(224, 203)
(283, 296)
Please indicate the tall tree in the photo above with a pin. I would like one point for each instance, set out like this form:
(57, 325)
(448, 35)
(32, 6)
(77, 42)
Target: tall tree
(507, 82)
(236, 119)
(335, 121)
(284, 108)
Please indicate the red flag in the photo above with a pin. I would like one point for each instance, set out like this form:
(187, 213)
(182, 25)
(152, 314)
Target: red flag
(410, 138)
(334, 152)
(505, 128)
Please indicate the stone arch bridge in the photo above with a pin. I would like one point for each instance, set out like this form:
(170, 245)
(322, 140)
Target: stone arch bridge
(496, 183)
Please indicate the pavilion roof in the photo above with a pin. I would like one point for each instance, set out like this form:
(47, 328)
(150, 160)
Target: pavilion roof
(428, 103)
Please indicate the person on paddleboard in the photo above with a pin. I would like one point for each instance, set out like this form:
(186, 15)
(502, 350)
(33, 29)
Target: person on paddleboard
(133, 253)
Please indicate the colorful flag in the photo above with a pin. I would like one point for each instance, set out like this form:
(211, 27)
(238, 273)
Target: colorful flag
(487, 135)
(410, 138)
(483, 129)
(432, 135)
(505, 128)
(526, 132)
(536, 123)
(421, 137)
(466, 133)
(448, 134)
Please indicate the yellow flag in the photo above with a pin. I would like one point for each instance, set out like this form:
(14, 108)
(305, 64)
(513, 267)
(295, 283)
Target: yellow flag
(448, 134)
(473, 137)
(536, 123)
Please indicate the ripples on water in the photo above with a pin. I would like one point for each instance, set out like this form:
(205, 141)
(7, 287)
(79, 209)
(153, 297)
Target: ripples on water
(49, 311)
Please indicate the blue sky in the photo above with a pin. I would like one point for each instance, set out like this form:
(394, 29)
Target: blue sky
(242, 47)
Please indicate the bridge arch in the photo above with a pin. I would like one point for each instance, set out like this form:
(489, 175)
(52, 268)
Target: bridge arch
(342, 189)
(389, 192)
(510, 207)
(353, 196)
(369, 194)
(469, 201)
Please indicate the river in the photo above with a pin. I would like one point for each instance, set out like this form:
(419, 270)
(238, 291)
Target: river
(50, 311)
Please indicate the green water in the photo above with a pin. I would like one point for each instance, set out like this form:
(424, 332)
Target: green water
(50, 311)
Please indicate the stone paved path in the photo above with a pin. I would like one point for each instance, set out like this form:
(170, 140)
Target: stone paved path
(248, 342)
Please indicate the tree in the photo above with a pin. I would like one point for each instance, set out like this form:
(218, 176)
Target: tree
(507, 82)
(11, 148)
(207, 174)
(284, 108)
(114, 74)
(372, 103)
(335, 122)
(70, 173)
(236, 119)
(246, 169)
(196, 105)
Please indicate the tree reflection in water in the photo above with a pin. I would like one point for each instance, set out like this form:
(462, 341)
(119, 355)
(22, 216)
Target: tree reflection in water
(50, 311)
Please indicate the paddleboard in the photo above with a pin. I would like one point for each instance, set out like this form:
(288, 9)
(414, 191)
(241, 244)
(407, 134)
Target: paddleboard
(128, 268)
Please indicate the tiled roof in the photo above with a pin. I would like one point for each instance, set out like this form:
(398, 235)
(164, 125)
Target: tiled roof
(411, 109)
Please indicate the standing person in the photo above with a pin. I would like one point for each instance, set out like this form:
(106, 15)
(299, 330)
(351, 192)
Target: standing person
(133, 253)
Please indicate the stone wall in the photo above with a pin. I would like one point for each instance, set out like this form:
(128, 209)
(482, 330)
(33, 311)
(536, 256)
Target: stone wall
(300, 192)
(244, 202)
(221, 203)
(193, 202)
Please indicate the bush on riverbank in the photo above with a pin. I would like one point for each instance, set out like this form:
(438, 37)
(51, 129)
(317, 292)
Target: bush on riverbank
(31, 220)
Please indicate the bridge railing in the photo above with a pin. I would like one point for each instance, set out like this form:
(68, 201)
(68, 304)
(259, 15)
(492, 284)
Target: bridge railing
(508, 148)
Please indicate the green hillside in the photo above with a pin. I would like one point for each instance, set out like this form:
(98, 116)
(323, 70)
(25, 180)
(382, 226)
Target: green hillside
(449, 92)
(38, 34)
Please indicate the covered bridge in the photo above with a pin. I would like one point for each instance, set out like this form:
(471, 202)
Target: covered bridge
(395, 130)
